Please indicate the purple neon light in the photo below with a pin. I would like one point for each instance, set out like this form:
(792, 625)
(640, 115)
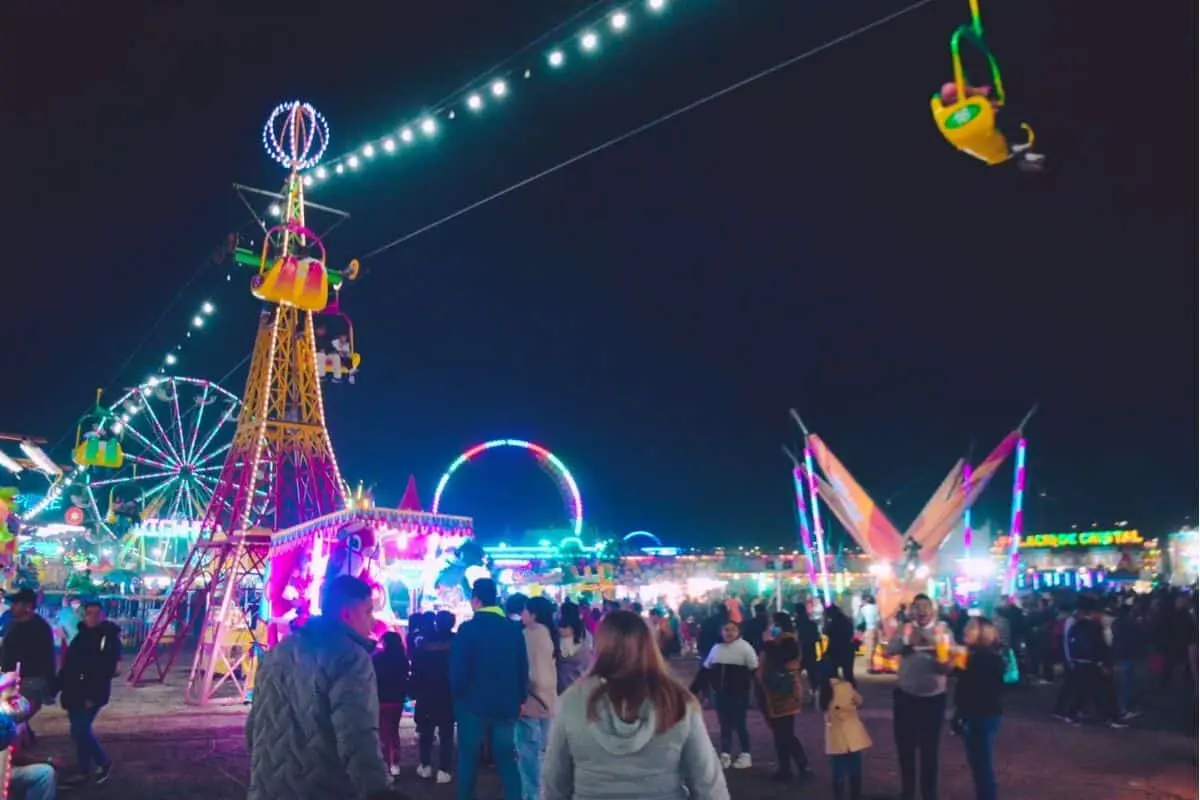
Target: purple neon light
(818, 529)
(805, 533)
(967, 509)
(1017, 517)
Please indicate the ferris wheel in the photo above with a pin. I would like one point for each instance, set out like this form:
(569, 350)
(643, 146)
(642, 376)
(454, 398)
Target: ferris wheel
(172, 433)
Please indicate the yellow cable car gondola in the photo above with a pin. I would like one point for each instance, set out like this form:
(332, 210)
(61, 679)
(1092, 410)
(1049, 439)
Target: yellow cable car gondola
(967, 115)
(293, 278)
(100, 444)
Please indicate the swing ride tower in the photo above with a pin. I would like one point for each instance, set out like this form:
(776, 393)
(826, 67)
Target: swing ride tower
(280, 469)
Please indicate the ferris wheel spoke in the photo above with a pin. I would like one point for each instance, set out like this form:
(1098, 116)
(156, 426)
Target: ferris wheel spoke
(191, 448)
(178, 418)
(137, 479)
(220, 450)
(228, 415)
(162, 434)
(146, 443)
(149, 462)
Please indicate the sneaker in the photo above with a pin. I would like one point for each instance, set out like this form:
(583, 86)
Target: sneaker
(395, 770)
(103, 773)
(742, 762)
(424, 771)
(1117, 725)
(1128, 715)
(443, 776)
(726, 761)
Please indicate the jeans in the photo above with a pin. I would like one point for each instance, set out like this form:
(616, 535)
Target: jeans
(471, 730)
(917, 726)
(532, 737)
(847, 769)
(731, 716)
(445, 736)
(87, 747)
(37, 781)
(788, 749)
(389, 731)
(1124, 678)
(979, 739)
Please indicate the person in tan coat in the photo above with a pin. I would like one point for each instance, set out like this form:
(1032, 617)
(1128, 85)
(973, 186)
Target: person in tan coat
(845, 736)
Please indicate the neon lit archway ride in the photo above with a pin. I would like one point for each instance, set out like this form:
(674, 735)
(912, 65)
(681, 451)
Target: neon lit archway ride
(567, 481)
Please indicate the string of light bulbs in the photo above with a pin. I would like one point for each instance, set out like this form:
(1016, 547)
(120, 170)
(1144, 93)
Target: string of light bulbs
(491, 89)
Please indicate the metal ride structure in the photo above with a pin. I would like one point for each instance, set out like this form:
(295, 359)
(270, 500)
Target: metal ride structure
(280, 470)
(173, 432)
(550, 462)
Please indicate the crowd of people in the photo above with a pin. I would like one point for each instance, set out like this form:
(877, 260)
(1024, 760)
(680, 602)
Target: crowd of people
(578, 701)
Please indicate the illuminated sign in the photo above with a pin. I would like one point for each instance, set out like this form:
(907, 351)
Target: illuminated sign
(1056, 541)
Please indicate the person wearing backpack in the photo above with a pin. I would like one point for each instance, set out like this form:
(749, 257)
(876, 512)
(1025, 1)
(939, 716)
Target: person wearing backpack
(779, 676)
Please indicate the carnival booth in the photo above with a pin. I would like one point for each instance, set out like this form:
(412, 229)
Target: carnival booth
(393, 550)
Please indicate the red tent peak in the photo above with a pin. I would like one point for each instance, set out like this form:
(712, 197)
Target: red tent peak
(411, 501)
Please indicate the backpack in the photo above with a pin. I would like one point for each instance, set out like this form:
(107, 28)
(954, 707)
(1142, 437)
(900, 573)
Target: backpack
(779, 681)
(1083, 641)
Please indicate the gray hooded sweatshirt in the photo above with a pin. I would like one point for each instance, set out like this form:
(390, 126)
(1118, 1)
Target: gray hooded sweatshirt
(611, 759)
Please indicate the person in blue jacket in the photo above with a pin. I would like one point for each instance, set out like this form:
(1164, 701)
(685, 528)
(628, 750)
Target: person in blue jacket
(489, 678)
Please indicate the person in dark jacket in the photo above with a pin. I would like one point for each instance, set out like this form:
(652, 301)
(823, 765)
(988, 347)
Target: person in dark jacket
(977, 703)
(839, 630)
(29, 642)
(391, 679)
(808, 634)
(313, 729)
(430, 687)
(757, 626)
(489, 677)
(86, 683)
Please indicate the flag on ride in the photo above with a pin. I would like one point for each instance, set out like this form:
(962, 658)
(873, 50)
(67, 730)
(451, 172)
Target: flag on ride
(939, 528)
(943, 502)
(864, 520)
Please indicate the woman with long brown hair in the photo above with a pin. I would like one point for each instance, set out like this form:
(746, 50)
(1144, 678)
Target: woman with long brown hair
(629, 729)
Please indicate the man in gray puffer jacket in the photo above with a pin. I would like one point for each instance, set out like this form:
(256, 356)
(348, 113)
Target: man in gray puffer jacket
(313, 731)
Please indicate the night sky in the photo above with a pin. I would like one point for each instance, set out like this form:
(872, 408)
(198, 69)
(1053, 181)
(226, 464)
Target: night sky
(651, 312)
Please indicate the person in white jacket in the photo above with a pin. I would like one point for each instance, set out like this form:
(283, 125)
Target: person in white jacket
(731, 665)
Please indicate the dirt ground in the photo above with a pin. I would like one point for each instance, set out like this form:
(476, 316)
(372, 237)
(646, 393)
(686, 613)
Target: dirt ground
(164, 749)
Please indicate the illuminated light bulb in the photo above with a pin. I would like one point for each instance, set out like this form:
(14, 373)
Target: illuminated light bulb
(208, 307)
(339, 169)
(275, 210)
(352, 162)
(474, 102)
(428, 126)
(308, 180)
(389, 145)
(619, 20)
(556, 58)
(322, 173)
(499, 88)
(406, 134)
(198, 321)
(368, 151)
(170, 359)
(452, 114)
(589, 41)
(656, 5)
